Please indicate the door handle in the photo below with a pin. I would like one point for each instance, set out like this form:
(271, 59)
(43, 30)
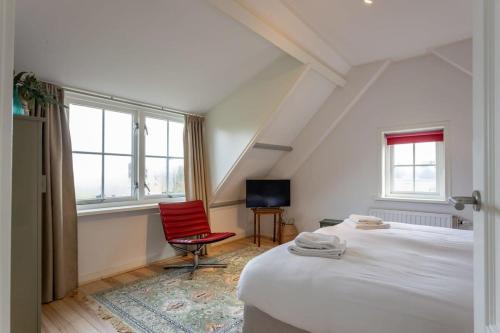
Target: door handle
(460, 202)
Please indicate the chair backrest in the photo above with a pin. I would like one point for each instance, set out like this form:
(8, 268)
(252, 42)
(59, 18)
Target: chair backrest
(184, 219)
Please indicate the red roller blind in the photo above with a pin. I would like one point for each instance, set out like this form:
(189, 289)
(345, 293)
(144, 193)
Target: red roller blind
(415, 137)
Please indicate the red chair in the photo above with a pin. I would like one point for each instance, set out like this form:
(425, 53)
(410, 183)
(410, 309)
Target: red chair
(186, 223)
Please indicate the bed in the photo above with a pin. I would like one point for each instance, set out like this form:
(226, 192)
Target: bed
(406, 279)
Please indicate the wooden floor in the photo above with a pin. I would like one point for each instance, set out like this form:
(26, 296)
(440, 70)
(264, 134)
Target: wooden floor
(73, 314)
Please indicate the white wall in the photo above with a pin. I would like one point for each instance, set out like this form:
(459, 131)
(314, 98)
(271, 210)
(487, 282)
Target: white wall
(342, 175)
(6, 67)
(231, 126)
(238, 219)
(114, 243)
(231, 218)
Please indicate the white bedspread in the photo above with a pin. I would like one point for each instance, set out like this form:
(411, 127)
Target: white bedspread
(407, 279)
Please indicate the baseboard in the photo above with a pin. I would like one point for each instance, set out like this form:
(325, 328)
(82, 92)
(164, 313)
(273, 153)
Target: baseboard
(132, 266)
(121, 269)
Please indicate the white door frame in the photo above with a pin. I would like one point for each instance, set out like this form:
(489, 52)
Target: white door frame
(486, 160)
(7, 14)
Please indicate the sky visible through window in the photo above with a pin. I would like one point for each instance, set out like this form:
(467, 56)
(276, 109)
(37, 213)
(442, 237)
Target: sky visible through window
(105, 162)
(414, 167)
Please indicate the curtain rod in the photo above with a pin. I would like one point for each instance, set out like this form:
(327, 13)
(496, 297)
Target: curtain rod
(129, 101)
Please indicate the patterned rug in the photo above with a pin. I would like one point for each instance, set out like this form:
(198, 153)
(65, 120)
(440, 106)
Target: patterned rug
(173, 302)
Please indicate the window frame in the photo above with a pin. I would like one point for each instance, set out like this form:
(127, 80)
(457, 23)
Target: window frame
(442, 167)
(143, 155)
(139, 114)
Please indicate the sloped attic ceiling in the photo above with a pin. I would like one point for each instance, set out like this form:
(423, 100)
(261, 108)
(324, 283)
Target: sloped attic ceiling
(388, 29)
(181, 54)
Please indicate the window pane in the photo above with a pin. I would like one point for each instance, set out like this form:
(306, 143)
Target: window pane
(175, 139)
(117, 176)
(156, 137)
(118, 132)
(403, 154)
(156, 176)
(425, 153)
(85, 125)
(425, 179)
(402, 179)
(176, 176)
(87, 173)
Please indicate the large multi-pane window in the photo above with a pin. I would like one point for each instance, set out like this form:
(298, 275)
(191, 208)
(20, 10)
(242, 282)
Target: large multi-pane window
(414, 164)
(124, 154)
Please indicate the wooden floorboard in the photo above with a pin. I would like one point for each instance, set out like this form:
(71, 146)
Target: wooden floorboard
(73, 314)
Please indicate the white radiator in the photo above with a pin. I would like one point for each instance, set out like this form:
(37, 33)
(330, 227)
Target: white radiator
(431, 219)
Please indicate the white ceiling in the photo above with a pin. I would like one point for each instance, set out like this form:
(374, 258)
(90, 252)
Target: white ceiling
(388, 28)
(184, 54)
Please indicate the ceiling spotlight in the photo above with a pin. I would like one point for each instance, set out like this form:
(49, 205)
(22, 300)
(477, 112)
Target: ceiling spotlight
(368, 2)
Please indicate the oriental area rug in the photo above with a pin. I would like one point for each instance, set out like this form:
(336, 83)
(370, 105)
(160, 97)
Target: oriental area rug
(176, 301)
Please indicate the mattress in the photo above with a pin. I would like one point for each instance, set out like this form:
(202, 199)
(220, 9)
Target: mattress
(409, 278)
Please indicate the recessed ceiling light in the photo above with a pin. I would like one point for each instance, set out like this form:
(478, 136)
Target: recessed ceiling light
(368, 2)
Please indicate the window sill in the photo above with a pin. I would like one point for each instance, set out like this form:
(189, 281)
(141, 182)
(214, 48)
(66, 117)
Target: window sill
(121, 209)
(116, 209)
(413, 200)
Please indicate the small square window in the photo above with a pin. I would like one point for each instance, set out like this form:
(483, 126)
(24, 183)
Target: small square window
(414, 164)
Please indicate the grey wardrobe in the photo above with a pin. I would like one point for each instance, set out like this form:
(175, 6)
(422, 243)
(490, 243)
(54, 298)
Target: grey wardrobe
(27, 190)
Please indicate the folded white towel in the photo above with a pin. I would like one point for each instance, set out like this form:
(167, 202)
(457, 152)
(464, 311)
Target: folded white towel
(368, 223)
(331, 253)
(313, 240)
(365, 219)
(372, 227)
(368, 226)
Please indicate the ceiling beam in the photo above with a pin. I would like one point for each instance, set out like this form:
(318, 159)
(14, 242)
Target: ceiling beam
(246, 17)
(268, 146)
(451, 62)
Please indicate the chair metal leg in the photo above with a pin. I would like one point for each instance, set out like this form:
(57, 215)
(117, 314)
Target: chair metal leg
(179, 266)
(196, 263)
(212, 265)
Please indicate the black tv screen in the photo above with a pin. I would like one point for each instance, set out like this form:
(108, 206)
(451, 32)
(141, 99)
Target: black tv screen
(268, 193)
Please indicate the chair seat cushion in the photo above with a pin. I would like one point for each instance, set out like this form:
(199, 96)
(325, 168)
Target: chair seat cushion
(208, 238)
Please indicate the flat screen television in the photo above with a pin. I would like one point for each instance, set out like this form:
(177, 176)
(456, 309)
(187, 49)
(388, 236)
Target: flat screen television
(268, 193)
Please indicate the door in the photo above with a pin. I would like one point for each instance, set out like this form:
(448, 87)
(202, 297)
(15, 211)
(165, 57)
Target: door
(486, 162)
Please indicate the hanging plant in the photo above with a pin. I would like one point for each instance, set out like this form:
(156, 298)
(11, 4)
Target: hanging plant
(31, 91)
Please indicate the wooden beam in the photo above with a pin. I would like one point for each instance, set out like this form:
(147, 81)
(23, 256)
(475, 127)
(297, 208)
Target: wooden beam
(227, 203)
(451, 62)
(243, 15)
(259, 145)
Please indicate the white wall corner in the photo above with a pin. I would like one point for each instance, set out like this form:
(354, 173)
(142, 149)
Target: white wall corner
(338, 105)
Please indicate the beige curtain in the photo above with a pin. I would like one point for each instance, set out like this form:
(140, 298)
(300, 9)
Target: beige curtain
(59, 225)
(195, 166)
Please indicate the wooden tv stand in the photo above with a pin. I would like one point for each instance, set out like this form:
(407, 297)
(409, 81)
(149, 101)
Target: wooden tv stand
(257, 213)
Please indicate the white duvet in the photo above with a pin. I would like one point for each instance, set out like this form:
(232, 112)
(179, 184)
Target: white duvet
(407, 279)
